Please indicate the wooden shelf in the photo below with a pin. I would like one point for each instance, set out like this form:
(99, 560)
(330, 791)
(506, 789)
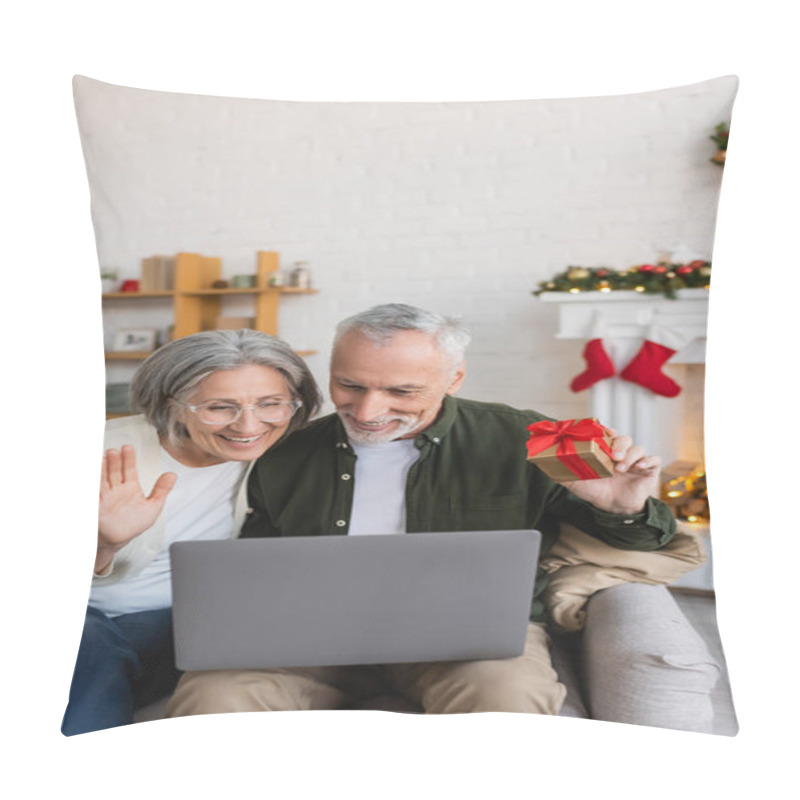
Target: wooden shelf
(224, 292)
(196, 304)
(208, 292)
(127, 355)
(137, 295)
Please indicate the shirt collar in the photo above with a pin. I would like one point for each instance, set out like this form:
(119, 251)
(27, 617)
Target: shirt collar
(441, 426)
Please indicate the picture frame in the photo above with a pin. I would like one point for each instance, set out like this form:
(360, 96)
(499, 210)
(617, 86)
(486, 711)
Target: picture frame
(128, 340)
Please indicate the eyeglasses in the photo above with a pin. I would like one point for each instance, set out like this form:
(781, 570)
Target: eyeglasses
(217, 413)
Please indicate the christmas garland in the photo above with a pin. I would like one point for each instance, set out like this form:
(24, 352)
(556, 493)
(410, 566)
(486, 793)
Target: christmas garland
(662, 278)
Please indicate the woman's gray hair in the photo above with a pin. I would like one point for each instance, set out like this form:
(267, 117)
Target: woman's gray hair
(173, 372)
(381, 323)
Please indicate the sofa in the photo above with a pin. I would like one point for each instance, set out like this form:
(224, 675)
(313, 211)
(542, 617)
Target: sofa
(620, 642)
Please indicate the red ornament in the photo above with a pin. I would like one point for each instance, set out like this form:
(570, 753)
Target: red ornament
(646, 268)
(660, 270)
(684, 270)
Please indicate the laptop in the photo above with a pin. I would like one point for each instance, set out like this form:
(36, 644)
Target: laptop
(335, 600)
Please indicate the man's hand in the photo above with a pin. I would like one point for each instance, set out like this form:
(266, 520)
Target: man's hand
(125, 512)
(635, 479)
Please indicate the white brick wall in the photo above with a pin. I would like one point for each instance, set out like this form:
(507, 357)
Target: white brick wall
(459, 207)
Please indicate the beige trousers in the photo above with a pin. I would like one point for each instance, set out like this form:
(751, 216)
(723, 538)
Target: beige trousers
(527, 684)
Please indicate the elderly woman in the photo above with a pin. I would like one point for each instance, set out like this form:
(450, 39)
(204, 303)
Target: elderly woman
(210, 403)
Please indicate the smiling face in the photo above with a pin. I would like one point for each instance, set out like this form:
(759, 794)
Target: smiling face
(243, 440)
(384, 392)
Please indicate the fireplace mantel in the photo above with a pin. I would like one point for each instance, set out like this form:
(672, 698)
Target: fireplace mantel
(654, 422)
(628, 315)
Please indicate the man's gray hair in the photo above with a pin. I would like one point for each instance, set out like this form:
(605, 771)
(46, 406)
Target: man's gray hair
(173, 372)
(381, 323)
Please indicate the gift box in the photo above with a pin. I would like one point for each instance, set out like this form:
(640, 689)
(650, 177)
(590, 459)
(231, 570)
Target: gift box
(571, 450)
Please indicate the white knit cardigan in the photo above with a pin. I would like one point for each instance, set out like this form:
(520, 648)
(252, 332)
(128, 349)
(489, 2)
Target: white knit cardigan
(139, 552)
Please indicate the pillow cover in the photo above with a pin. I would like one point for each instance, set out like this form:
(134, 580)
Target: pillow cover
(226, 213)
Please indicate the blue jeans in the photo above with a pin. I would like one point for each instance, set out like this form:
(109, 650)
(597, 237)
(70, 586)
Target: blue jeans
(123, 663)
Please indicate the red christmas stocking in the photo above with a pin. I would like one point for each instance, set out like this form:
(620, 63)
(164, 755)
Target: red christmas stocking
(645, 367)
(598, 366)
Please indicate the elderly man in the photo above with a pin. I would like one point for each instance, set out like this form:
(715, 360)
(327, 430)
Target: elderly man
(402, 454)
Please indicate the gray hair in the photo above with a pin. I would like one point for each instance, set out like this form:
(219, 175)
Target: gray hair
(381, 323)
(173, 371)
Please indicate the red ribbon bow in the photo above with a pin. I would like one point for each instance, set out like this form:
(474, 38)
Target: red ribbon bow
(564, 435)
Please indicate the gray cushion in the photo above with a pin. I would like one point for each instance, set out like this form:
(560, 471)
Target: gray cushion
(643, 662)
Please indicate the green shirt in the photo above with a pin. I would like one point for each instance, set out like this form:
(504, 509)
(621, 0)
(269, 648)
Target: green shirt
(472, 474)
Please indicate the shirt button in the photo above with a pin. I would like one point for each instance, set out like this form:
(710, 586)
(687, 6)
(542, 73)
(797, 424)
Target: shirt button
(346, 476)
(628, 521)
(340, 523)
(436, 440)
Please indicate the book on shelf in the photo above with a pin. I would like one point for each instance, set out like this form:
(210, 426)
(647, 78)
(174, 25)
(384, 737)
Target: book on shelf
(157, 274)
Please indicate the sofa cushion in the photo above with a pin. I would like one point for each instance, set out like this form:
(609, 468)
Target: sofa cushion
(644, 663)
(580, 565)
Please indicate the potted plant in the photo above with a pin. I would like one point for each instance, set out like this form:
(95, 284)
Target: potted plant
(108, 280)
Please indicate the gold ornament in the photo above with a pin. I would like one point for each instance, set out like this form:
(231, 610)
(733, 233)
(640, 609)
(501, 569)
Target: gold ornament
(578, 273)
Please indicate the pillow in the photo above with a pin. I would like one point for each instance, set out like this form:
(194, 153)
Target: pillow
(580, 565)
(200, 204)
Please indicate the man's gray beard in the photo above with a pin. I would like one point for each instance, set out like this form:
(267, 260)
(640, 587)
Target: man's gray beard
(407, 425)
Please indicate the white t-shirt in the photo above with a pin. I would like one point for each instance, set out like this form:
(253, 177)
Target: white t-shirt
(379, 500)
(200, 506)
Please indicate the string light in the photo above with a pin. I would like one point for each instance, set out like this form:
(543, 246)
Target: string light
(687, 495)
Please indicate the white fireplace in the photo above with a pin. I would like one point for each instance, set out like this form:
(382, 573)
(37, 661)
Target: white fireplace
(669, 427)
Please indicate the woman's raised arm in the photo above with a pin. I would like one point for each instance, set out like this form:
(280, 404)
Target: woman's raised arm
(125, 511)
